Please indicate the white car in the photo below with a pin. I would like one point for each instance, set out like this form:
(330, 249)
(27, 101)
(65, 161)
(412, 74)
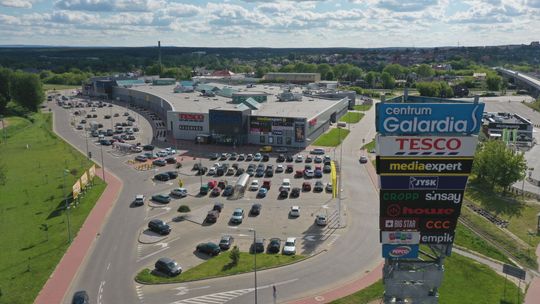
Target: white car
(309, 173)
(170, 150)
(280, 168)
(212, 171)
(254, 185)
(328, 187)
(139, 200)
(295, 211)
(162, 153)
(257, 157)
(320, 220)
(180, 192)
(290, 246)
(285, 185)
(299, 158)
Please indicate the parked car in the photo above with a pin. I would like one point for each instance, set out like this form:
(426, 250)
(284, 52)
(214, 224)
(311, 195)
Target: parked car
(218, 207)
(213, 156)
(309, 159)
(216, 191)
(222, 184)
(309, 173)
(239, 172)
(141, 158)
(139, 200)
(327, 169)
(254, 186)
(363, 159)
(230, 171)
(249, 157)
(159, 162)
(233, 156)
(320, 220)
(299, 158)
(203, 190)
(159, 226)
(274, 246)
(285, 184)
(212, 171)
(319, 187)
(257, 157)
(162, 177)
(224, 156)
(237, 216)
(172, 174)
(168, 266)
(208, 248)
(265, 157)
(225, 242)
(289, 248)
(280, 158)
(255, 209)
(179, 192)
(289, 158)
(299, 174)
(228, 191)
(148, 148)
(170, 160)
(257, 246)
(161, 198)
(318, 173)
(212, 216)
(241, 157)
(295, 192)
(80, 297)
(328, 187)
(317, 151)
(295, 211)
(279, 168)
(318, 159)
(306, 186)
(266, 184)
(289, 169)
(283, 194)
(262, 192)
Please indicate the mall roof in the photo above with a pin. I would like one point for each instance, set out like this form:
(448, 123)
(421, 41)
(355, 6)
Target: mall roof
(195, 103)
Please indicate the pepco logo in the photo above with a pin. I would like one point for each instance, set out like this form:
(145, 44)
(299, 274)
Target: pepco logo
(400, 251)
(439, 224)
(393, 210)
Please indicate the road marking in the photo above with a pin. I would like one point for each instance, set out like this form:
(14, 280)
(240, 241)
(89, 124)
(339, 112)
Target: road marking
(162, 244)
(108, 266)
(140, 294)
(153, 253)
(184, 290)
(100, 291)
(319, 298)
(217, 298)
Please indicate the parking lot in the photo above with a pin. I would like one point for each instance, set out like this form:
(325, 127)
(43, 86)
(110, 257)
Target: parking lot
(274, 221)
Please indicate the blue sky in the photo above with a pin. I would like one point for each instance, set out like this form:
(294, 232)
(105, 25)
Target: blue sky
(268, 23)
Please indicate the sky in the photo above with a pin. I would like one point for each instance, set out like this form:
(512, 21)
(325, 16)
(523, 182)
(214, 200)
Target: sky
(270, 23)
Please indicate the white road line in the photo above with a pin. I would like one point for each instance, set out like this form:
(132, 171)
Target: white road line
(108, 266)
(151, 254)
(100, 291)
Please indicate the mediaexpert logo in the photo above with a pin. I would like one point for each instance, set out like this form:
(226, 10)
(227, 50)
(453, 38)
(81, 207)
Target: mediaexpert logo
(424, 166)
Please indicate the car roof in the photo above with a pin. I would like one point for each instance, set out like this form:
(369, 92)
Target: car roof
(165, 260)
(238, 209)
(226, 237)
(291, 239)
(157, 221)
(295, 207)
(139, 196)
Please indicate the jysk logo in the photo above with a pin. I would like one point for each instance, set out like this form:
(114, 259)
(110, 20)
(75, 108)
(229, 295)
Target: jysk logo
(416, 182)
(402, 182)
(428, 118)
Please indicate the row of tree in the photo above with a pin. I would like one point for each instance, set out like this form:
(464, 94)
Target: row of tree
(25, 89)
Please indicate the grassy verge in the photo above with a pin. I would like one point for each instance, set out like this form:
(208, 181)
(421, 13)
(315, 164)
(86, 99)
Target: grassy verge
(463, 279)
(32, 220)
(533, 105)
(352, 117)
(466, 238)
(369, 146)
(47, 87)
(220, 266)
(362, 107)
(331, 138)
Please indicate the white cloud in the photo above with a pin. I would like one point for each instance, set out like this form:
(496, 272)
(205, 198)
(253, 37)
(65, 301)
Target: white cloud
(16, 3)
(110, 5)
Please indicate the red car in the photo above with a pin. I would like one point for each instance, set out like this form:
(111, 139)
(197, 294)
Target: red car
(299, 174)
(306, 186)
(212, 184)
(266, 184)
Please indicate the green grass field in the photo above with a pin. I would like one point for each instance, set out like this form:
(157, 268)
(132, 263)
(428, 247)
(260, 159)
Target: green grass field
(465, 281)
(219, 266)
(362, 107)
(466, 238)
(48, 87)
(331, 138)
(352, 117)
(31, 200)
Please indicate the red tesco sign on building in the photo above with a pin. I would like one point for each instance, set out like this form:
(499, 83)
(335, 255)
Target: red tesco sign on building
(426, 145)
(191, 117)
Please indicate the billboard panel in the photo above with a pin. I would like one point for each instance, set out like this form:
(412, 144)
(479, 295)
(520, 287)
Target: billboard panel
(92, 172)
(400, 237)
(423, 182)
(84, 179)
(437, 237)
(424, 166)
(299, 132)
(419, 223)
(76, 189)
(420, 196)
(400, 251)
(420, 209)
(426, 145)
(392, 224)
(428, 118)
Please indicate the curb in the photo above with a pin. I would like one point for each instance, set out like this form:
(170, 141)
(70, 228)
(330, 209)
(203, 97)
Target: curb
(230, 275)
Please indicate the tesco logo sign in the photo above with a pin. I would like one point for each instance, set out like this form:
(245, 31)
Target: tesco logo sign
(426, 145)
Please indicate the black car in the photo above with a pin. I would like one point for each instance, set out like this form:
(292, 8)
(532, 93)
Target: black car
(265, 157)
(283, 194)
(309, 159)
(269, 172)
(172, 174)
(295, 192)
(170, 160)
(229, 190)
(289, 169)
(274, 246)
(80, 297)
(105, 142)
(159, 162)
(168, 267)
(148, 148)
(233, 156)
(239, 172)
(208, 248)
(162, 177)
(202, 171)
(159, 226)
(218, 207)
(281, 158)
(289, 158)
(255, 209)
(257, 246)
(319, 187)
(212, 216)
(213, 156)
(241, 157)
(259, 173)
(327, 169)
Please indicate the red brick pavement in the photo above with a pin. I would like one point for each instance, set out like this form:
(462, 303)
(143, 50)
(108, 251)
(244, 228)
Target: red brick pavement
(60, 280)
(345, 290)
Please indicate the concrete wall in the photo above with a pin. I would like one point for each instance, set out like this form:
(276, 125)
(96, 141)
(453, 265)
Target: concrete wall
(148, 101)
(316, 126)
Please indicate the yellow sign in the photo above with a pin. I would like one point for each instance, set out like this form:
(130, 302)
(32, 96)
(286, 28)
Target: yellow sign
(92, 172)
(180, 183)
(76, 189)
(84, 180)
(334, 179)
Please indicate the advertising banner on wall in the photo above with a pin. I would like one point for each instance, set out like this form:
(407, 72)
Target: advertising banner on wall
(76, 189)
(84, 180)
(434, 166)
(92, 172)
(400, 251)
(423, 182)
(440, 146)
(299, 132)
(428, 118)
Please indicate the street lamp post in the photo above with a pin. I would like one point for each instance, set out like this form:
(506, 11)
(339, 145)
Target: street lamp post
(255, 261)
(66, 204)
(102, 162)
(86, 139)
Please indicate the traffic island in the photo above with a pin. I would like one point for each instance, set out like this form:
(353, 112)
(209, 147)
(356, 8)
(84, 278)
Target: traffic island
(149, 237)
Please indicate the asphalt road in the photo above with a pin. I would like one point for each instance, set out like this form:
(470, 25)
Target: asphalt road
(108, 271)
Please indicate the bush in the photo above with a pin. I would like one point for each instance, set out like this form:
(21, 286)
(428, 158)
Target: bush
(234, 255)
(184, 208)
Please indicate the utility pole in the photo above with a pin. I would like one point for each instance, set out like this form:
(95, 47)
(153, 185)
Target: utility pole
(66, 204)
(255, 262)
(102, 162)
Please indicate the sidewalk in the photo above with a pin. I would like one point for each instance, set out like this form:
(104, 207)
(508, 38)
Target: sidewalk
(345, 290)
(533, 293)
(58, 283)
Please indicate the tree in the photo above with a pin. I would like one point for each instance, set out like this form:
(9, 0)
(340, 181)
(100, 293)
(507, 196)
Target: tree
(371, 78)
(27, 90)
(424, 71)
(324, 70)
(435, 89)
(234, 255)
(499, 166)
(388, 80)
(396, 70)
(493, 82)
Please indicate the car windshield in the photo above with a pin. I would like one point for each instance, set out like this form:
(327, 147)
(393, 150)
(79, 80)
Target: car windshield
(289, 244)
(237, 213)
(172, 264)
(224, 241)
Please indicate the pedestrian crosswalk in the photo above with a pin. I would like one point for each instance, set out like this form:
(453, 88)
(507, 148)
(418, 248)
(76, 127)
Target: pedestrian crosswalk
(216, 298)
